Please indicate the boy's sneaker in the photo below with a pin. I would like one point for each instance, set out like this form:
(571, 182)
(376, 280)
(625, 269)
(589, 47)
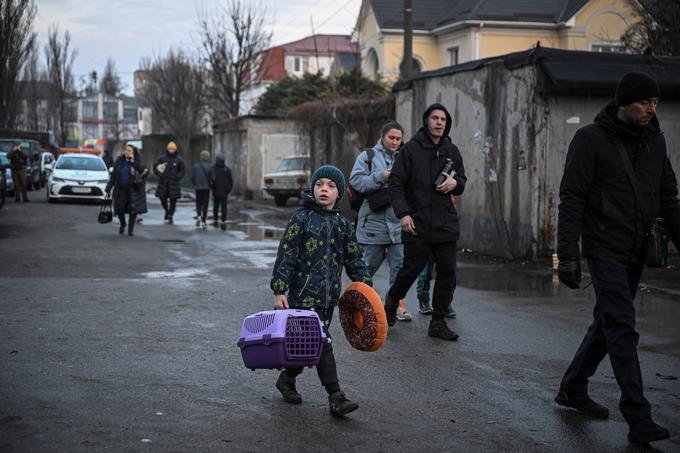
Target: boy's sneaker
(286, 385)
(340, 405)
(198, 222)
(424, 303)
(582, 403)
(439, 329)
(647, 431)
(449, 312)
(402, 314)
(391, 310)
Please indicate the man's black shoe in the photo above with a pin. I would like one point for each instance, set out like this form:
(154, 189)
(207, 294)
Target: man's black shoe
(391, 307)
(647, 431)
(340, 405)
(439, 329)
(286, 386)
(581, 403)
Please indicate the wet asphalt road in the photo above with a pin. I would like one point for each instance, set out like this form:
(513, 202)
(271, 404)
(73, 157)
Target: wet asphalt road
(129, 344)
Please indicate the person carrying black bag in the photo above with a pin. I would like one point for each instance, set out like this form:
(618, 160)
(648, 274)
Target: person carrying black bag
(128, 178)
(617, 180)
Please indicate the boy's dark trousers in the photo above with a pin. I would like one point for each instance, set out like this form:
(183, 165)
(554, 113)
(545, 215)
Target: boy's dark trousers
(612, 332)
(416, 255)
(202, 202)
(219, 203)
(326, 369)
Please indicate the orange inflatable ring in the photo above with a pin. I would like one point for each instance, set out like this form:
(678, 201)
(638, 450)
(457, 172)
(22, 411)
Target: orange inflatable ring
(362, 317)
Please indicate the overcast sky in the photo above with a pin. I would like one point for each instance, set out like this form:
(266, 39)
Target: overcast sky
(128, 30)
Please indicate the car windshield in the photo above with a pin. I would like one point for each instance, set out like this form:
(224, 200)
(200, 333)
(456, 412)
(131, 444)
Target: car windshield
(298, 163)
(81, 163)
(6, 145)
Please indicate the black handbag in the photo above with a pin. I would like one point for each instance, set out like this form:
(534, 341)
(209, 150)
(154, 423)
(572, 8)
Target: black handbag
(656, 244)
(378, 199)
(656, 238)
(105, 211)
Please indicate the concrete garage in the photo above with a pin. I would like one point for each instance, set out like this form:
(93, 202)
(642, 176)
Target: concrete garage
(514, 117)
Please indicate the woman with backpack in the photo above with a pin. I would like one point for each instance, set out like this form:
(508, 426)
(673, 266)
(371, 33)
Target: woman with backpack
(378, 228)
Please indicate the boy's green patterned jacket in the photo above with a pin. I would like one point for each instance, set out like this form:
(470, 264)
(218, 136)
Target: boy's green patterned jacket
(316, 246)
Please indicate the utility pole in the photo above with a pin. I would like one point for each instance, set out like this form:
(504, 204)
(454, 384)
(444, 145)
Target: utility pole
(407, 61)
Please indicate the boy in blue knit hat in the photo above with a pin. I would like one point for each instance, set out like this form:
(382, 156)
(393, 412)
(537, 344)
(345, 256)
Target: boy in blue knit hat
(317, 244)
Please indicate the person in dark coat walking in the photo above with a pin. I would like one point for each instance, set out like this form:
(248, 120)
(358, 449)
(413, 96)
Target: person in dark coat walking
(128, 178)
(200, 177)
(170, 170)
(18, 160)
(617, 180)
(421, 194)
(222, 183)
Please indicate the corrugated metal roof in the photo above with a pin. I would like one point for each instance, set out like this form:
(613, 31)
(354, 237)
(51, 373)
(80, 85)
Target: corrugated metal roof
(430, 14)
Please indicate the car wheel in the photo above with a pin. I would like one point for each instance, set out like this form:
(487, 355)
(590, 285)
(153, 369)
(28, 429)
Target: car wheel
(49, 199)
(280, 200)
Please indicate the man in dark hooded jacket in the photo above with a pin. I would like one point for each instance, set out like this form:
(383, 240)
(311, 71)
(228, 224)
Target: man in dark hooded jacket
(222, 183)
(427, 215)
(610, 208)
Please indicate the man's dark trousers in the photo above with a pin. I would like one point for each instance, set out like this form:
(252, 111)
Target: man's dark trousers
(612, 332)
(416, 255)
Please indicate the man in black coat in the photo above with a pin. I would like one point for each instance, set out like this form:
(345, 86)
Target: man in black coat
(617, 180)
(427, 215)
(170, 170)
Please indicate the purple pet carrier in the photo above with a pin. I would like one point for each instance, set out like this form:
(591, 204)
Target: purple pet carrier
(281, 338)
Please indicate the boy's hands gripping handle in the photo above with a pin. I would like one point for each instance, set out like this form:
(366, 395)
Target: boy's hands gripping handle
(280, 301)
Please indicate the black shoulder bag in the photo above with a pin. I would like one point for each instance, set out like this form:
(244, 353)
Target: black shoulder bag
(656, 237)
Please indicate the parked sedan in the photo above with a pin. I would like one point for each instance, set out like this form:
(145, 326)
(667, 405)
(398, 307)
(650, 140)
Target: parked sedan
(77, 176)
(7, 174)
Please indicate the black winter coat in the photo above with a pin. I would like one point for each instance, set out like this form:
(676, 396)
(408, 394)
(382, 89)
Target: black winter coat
(412, 191)
(597, 200)
(220, 178)
(137, 203)
(170, 180)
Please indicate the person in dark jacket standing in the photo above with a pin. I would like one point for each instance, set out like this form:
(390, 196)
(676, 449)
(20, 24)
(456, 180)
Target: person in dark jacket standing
(421, 194)
(170, 170)
(18, 160)
(617, 179)
(222, 183)
(200, 177)
(127, 177)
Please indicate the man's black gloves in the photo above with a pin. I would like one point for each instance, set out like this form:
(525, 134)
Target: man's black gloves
(569, 272)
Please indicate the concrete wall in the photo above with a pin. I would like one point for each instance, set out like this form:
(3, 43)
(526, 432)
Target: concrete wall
(244, 142)
(514, 143)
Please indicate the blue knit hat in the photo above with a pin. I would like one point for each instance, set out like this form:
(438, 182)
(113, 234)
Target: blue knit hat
(331, 172)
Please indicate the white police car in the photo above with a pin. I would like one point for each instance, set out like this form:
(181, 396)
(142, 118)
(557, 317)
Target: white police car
(77, 176)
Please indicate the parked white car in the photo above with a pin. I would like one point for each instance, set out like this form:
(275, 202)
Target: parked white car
(291, 178)
(77, 176)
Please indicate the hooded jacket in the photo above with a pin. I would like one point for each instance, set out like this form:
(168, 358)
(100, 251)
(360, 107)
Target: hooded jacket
(597, 200)
(315, 247)
(382, 227)
(200, 175)
(220, 178)
(170, 180)
(412, 191)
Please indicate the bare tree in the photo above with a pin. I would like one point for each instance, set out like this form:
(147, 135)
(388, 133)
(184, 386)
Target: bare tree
(59, 59)
(657, 31)
(32, 77)
(174, 90)
(16, 41)
(110, 83)
(230, 43)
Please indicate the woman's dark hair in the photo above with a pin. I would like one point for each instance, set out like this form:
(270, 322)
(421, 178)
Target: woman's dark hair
(134, 148)
(388, 126)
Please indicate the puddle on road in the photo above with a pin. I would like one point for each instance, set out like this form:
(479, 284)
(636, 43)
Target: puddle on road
(253, 230)
(508, 278)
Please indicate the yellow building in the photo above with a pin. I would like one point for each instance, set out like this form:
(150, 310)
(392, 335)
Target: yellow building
(448, 32)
